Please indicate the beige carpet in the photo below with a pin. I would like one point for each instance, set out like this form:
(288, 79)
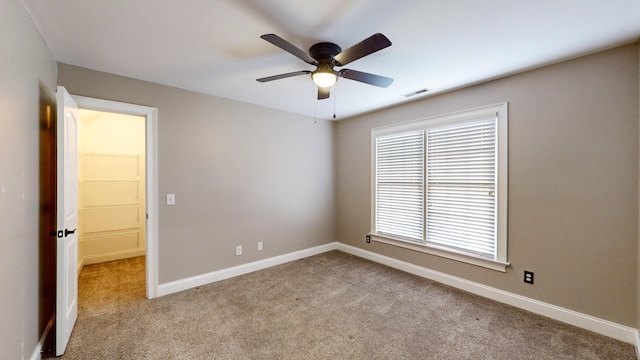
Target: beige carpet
(330, 306)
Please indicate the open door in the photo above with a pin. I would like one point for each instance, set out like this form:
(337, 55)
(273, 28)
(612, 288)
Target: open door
(67, 219)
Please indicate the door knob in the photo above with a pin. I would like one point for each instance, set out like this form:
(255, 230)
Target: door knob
(62, 233)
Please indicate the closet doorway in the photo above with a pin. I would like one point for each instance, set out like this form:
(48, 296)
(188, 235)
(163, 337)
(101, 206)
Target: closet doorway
(111, 187)
(116, 189)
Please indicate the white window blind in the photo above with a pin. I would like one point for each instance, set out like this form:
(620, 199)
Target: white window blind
(400, 185)
(439, 185)
(461, 187)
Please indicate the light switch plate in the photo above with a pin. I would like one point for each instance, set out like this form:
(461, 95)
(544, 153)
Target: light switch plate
(171, 199)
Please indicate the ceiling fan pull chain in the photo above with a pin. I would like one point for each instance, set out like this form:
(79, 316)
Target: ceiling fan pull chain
(315, 111)
(335, 96)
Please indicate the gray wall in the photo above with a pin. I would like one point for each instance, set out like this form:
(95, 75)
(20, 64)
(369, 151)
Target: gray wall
(241, 174)
(25, 66)
(573, 177)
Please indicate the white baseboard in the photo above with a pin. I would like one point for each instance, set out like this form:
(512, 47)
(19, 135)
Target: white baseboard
(600, 326)
(37, 353)
(591, 323)
(192, 282)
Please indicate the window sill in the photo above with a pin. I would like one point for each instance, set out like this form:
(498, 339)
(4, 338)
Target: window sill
(489, 264)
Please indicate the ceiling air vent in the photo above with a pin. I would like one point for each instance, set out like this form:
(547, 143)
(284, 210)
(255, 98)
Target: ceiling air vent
(417, 92)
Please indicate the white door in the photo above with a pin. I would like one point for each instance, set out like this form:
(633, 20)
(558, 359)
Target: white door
(67, 219)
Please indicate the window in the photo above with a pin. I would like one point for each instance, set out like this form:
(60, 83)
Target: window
(440, 185)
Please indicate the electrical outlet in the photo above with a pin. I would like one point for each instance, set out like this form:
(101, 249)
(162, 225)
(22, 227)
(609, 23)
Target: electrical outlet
(259, 245)
(528, 277)
(238, 250)
(368, 239)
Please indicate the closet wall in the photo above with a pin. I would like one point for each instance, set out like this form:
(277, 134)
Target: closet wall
(111, 187)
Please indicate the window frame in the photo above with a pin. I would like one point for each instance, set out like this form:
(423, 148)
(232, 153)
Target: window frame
(500, 110)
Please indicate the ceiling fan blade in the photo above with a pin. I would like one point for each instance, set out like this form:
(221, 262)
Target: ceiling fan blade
(289, 47)
(366, 78)
(323, 92)
(366, 47)
(282, 76)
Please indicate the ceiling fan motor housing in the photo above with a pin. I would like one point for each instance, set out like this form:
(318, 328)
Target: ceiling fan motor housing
(324, 51)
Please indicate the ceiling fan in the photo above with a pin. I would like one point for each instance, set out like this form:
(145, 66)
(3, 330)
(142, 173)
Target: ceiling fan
(325, 56)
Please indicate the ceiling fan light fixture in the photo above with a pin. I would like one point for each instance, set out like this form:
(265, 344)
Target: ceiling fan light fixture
(324, 78)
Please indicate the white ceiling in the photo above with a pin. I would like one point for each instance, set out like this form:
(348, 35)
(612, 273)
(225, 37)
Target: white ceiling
(214, 46)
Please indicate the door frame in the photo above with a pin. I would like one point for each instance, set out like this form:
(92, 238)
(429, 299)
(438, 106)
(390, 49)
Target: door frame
(151, 163)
